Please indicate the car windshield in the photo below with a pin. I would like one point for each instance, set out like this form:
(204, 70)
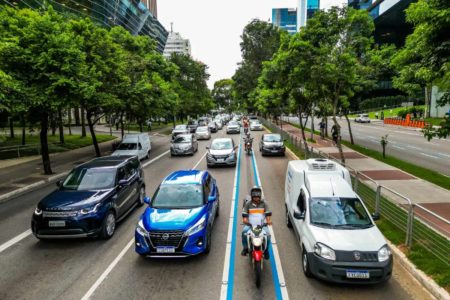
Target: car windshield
(233, 123)
(202, 129)
(83, 179)
(182, 139)
(256, 122)
(180, 127)
(127, 146)
(221, 145)
(178, 196)
(339, 213)
(272, 138)
(365, 116)
(192, 123)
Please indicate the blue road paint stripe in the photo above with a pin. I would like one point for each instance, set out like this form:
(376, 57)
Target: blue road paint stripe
(273, 266)
(233, 241)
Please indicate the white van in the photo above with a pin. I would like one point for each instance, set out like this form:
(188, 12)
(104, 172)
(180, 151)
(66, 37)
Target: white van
(134, 144)
(339, 240)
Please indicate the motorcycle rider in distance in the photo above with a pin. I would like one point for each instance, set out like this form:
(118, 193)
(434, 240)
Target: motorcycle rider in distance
(334, 134)
(246, 124)
(254, 212)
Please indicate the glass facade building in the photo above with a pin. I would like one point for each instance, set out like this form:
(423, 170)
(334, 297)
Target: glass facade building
(285, 18)
(134, 15)
(305, 10)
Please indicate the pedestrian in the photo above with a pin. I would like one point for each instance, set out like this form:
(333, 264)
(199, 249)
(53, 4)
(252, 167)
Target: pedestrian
(322, 128)
(376, 115)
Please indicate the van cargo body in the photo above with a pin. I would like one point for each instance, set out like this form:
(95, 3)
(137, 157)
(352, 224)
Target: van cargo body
(136, 144)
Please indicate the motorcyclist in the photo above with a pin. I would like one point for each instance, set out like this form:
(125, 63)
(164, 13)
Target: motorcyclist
(248, 139)
(254, 212)
(246, 124)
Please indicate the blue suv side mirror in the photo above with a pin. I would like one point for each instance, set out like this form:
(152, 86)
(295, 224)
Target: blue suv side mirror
(147, 200)
(211, 198)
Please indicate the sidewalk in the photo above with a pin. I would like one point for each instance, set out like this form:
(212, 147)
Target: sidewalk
(419, 191)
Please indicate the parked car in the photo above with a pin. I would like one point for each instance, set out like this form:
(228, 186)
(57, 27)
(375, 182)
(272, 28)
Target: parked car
(339, 240)
(255, 125)
(272, 144)
(192, 126)
(213, 127)
(180, 216)
(184, 144)
(203, 133)
(91, 199)
(362, 118)
(233, 127)
(222, 152)
(134, 144)
(180, 129)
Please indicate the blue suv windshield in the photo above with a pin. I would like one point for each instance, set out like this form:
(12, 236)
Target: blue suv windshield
(83, 179)
(178, 196)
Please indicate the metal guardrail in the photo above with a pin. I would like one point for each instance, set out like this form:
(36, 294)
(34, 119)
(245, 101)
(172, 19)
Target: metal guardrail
(419, 224)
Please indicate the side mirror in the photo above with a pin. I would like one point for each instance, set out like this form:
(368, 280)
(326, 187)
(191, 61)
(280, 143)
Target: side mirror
(298, 215)
(147, 200)
(212, 198)
(375, 216)
(123, 182)
(59, 183)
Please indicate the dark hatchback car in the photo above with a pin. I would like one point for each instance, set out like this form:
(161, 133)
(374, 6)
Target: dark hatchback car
(213, 127)
(272, 144)
(91, 200)
(184, 144)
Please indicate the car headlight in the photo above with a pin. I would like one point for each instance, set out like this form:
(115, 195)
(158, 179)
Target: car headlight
(89, 210)
(197, 227)
(140, 228)
(209, 156)
(384, 253)
(231, 155)
(38, 211)
(324, 251)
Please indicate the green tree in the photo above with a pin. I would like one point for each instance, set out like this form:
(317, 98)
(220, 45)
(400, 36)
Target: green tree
(222, 93)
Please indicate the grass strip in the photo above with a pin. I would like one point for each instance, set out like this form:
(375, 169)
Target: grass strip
(420, 172)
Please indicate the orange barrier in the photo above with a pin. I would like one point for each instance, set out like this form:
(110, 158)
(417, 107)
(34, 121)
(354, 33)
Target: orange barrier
(406, 123)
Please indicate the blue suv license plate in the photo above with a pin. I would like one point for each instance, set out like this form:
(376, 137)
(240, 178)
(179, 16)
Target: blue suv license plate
(358, 274)
(165, 249)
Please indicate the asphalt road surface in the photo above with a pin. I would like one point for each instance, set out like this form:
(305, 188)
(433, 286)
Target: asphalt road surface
(405, 144)
(75, 269)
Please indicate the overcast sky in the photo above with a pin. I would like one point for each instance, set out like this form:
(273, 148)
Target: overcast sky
(214, 27)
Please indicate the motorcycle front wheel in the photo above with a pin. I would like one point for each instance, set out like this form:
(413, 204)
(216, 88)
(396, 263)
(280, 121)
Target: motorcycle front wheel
(258, 271)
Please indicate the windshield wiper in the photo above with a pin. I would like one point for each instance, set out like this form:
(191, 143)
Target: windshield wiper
(354, 225)
(323, 224)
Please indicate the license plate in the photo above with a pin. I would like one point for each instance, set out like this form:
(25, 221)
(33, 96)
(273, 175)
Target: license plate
(274, 151)
(165, 250)
(57, 223)
(220, 160)
(357, 274)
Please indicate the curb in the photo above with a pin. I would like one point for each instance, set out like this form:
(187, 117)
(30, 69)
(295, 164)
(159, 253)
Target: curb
(11, 195)
(427, 282)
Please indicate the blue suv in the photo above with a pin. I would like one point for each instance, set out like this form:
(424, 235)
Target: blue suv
(180, 216)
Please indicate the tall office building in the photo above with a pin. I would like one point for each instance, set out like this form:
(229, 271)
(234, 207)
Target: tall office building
(305, 10)
(139, 18)
(176, 44)
(285, 18)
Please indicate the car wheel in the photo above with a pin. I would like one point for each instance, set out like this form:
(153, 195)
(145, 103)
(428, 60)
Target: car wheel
(108, 226)
(148, 155)
(305, 264)
(208, 240)
(141, 196)
(288, 220)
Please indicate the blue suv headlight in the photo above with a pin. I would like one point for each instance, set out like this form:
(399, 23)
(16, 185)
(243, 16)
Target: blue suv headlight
(199, 226)
(140, 228)
(90, 210)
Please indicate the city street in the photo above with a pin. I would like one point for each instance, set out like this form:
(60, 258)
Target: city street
(98, 269)
(406, 144)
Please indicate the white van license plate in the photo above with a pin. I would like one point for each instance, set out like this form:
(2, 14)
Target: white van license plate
(56, 223)
(165, 250)
(357, 274)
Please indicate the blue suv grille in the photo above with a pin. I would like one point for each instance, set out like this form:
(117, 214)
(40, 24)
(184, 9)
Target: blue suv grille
(166, 238)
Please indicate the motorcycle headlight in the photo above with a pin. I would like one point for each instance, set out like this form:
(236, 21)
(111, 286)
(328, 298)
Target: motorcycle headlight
(197, 227)
(140, 228)
(38, 211)
(257, 242)
(90, 210)
(384, 253)
(324, 251)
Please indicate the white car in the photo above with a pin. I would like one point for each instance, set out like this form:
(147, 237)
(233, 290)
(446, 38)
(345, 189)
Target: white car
(362, 118)
(255, 125)
(339, 240)
(233, 127)
(203, 133)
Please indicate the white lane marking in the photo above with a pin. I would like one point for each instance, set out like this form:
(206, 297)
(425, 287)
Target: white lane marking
(429, 155)
(278, 266)
(398, 147)
(155, 159)
(108, 270)
(413, 147)
(442, 154)
(14, 240)
(196, 165)
(234, 202)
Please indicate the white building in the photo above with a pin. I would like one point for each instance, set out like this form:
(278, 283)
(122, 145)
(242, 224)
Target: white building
(176, 44)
